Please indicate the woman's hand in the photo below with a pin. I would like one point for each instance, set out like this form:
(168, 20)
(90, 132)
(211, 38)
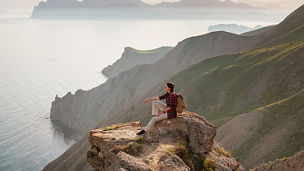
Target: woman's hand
(160, 113)
(146, 101)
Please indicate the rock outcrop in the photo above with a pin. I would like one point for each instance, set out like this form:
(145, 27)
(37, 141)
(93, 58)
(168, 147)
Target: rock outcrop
(184, 143)
(293, 163)
(132, 57)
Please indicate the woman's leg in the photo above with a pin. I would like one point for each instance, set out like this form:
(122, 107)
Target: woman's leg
(155, 119)
(158, 105)
(155, 106)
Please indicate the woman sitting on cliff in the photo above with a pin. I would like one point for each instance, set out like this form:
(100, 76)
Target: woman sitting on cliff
(168, 110)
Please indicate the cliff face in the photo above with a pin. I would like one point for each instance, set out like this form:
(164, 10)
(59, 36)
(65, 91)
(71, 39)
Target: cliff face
(184, 143)
(133, 57)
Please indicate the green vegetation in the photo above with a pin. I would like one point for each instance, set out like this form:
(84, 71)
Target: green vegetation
(172, 150)
(225, 152)
(131, 148)
(284, 158)
(139, 140)
(110, 127)
(227, 83)
(208, 164)
(181, 150)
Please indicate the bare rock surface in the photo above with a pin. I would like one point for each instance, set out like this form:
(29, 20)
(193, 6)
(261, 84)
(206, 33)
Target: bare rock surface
(184, 143)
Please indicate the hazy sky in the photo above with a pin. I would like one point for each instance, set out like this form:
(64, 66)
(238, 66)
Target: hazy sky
(25, 6)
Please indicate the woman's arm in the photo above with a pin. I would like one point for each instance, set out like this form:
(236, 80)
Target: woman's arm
(165, 111)
(154, 98)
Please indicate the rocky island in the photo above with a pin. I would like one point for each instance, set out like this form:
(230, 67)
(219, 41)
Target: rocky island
(233, 28)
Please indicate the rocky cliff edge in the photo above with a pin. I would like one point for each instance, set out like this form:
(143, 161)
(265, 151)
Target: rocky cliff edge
(182, 143)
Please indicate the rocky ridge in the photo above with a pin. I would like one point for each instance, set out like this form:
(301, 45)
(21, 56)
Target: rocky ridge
(132, 57)
(293, 163)
(183, 143)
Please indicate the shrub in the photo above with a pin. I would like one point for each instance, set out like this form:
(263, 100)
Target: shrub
(131, 148)
(139, 140)
(172, 150)
(208, 164)
(225, 153)
(181, 150)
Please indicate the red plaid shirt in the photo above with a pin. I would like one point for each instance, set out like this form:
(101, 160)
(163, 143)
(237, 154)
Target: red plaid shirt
(171, 101)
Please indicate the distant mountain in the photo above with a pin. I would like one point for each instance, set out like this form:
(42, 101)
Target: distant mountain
(130, 9)
(92, 4)
(232, 28)
(85, 8)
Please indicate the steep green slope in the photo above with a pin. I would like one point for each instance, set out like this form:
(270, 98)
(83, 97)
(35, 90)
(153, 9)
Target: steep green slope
(241, 82)
(269, 79)
(290, 23)
(233, 84)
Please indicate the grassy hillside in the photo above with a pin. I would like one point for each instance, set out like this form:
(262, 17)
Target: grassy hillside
(241, 82)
